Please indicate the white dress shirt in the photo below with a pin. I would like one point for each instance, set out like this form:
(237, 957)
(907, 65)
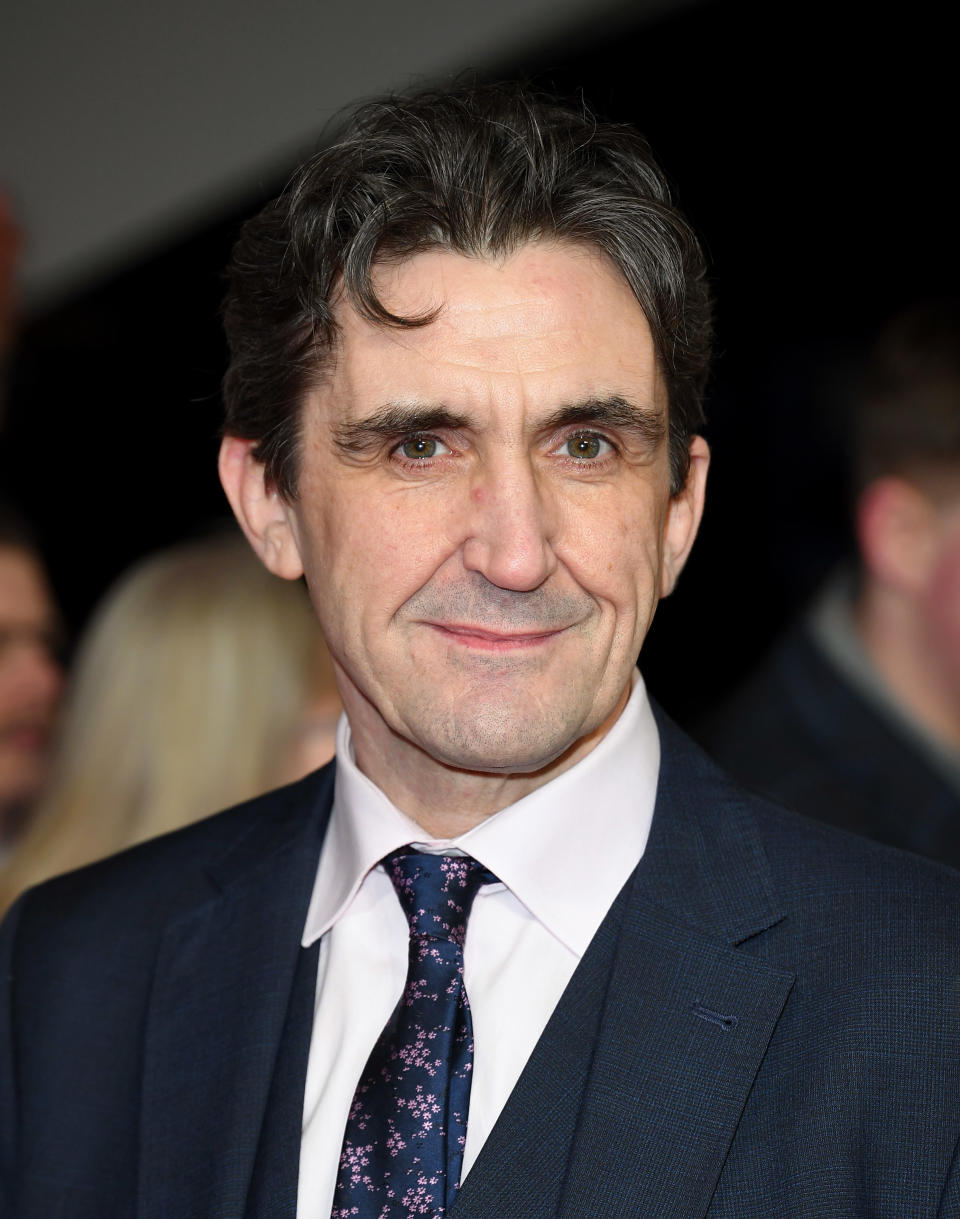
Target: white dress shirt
(562, 854)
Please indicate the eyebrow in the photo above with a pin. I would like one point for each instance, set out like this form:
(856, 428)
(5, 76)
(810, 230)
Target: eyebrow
(395, 419)
(398, 418)
(647, 424)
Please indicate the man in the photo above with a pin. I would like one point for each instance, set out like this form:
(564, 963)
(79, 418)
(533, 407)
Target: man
(468, 347)
(30, 676)
(855, 716)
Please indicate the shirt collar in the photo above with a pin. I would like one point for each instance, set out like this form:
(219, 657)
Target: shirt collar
(564, 851)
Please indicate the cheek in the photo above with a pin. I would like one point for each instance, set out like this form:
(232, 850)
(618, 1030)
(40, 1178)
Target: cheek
(943, 606)
(380, 550)
(615, 554)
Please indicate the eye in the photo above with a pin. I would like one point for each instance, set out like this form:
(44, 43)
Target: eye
(586, 446)
(421, 448)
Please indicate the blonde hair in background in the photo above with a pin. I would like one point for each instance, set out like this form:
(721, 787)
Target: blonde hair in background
(187, 695)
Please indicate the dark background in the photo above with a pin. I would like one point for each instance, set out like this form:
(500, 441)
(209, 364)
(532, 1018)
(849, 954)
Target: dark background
(812, 148)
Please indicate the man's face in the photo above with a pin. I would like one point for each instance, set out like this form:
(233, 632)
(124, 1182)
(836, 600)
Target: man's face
(484, 516)
(30, 677)
(940, 596)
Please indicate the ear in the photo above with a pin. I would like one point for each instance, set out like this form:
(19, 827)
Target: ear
(683, 516)
(257, 505)
(897, 533)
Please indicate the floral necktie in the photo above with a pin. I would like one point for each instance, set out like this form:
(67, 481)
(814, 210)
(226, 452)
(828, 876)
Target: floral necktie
(403, 1146)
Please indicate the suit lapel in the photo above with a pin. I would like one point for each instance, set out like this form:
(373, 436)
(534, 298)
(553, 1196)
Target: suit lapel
(222, 985)
(274, 1185)
(631, 1111)
(686, 1026)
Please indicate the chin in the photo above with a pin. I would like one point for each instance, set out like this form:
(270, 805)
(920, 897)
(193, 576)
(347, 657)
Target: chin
(498, 743)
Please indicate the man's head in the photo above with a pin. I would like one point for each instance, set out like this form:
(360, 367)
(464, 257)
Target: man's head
(908, 470)
(908, 422)
(30, 677)
(468, 351)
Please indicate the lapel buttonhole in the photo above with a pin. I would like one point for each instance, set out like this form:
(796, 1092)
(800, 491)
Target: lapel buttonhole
(727, 1023)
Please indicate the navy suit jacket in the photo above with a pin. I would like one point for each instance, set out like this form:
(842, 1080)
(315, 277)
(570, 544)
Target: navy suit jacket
(767, 1023)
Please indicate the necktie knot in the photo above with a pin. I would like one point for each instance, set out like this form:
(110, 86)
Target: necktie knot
(436, 891)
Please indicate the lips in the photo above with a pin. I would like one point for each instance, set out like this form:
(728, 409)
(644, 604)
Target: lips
(25, 738)
(483, 639)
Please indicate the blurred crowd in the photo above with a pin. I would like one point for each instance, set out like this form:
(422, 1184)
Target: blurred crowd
(31, 676)
(201, 680)
(854, 717)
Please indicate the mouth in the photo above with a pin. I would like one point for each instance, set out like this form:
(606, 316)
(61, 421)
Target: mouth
(25, 738)
(483, 640)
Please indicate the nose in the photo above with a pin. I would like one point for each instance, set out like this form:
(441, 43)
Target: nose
(511, 532)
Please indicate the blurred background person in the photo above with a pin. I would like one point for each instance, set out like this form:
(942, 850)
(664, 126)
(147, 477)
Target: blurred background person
(201, 680)
(855, 716)
(30, 675)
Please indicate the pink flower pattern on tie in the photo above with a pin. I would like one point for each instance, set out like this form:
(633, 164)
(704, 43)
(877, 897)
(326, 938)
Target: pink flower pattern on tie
(406, 1130)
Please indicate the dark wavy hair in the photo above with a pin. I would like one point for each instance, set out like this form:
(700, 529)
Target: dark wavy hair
(478, 170)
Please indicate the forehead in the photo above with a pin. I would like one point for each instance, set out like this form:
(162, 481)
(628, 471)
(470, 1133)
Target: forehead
(555, 319)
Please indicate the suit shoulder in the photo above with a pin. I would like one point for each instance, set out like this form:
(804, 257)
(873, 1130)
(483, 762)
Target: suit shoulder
(858, 914)
(796, 844)
(821, 874)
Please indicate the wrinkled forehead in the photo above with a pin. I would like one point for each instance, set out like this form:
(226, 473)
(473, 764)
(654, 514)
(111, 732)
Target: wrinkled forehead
(550, 314)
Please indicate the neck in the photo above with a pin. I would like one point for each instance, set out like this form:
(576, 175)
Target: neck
(893, 635)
